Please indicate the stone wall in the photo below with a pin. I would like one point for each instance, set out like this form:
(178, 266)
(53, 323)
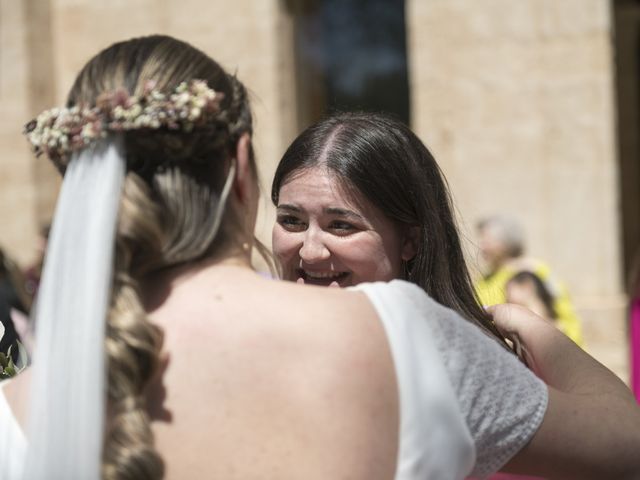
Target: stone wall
(44, 43)
(515, 100)
(19, 200)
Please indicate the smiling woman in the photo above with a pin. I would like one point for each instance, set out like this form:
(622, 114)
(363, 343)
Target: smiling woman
(327, 235)
(360, 198)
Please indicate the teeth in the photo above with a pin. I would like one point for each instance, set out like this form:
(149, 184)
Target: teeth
(322, 274)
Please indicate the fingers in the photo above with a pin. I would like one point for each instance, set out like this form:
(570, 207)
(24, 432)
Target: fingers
(517, 323)
(510, 318)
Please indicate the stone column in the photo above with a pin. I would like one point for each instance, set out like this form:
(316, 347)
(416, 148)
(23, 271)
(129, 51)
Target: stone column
(515, 99)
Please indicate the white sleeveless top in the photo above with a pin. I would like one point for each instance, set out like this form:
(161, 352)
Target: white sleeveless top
(12, 440)
(466, 404)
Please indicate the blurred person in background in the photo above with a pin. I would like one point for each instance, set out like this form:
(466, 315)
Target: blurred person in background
(13, 297)
(634, 324)
(527, 289)
(34, 271)
(502, 253)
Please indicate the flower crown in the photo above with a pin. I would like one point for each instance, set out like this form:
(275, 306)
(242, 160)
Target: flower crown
(59, 132)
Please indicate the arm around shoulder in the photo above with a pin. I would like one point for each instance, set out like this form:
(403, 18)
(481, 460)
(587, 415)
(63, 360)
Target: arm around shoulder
(591, 429)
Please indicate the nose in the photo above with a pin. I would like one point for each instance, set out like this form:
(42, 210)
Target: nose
(313, 248)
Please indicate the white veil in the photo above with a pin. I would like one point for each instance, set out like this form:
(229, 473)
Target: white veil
(66, 417)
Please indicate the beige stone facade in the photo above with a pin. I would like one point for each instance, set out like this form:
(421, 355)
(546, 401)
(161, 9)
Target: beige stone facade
(516, 101)
(514, 98)
(43, 44)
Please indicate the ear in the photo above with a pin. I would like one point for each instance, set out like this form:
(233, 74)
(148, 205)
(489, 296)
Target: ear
(410, 242)
(245, 179)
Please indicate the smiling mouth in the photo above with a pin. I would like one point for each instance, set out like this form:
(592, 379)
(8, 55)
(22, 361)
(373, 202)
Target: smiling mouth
(321, 278)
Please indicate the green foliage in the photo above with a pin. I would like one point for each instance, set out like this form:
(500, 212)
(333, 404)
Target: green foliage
(10, 369)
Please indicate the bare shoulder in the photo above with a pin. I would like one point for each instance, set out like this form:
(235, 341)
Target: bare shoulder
(326, 330)
(338, 321)
(294, 376)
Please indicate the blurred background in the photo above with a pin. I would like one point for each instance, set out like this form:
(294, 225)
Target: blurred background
(531, 107)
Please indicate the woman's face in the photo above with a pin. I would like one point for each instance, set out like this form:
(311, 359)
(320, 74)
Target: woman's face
(327, 236)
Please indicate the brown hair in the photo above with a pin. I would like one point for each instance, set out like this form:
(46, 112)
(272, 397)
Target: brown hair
(387, 163)
(166, 218)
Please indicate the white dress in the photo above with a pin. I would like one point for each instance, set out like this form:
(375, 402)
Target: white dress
(466, 404)
(11, 440)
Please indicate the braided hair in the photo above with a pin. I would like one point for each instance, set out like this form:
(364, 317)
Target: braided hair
(171, 189)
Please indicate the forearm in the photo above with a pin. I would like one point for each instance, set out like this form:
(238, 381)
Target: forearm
(554, 357)
(591, 429)
(565, 366)
(583, 437)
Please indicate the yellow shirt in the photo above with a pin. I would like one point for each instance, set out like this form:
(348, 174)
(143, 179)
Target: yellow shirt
(492, 290)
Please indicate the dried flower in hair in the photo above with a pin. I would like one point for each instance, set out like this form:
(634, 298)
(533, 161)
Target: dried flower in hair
(57, 132)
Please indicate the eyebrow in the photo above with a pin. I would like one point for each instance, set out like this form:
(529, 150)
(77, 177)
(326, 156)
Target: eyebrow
(289, 208)
(342, 212)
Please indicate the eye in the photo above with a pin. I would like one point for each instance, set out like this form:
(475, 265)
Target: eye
(341, 228)
(291, 223)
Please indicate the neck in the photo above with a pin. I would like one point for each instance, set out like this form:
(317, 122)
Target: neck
(158, 286)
